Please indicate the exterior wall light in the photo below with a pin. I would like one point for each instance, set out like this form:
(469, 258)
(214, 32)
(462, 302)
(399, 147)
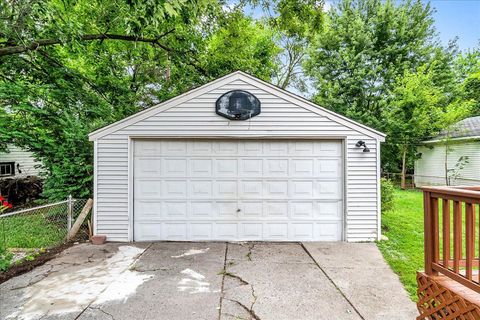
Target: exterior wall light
(361, 143)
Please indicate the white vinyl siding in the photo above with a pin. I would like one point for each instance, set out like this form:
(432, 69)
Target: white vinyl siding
(197, 118)
(430, 168)
(25, 159)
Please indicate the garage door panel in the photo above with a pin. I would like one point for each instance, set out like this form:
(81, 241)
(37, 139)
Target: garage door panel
(251, 189)
(331, 148)
(201, 209)
(276, 231)
(174, 147)
(201, 189)
(251, 167)
(329, 210)
(226, 189)
(201, 231)
(148, 148)
(302, 231)
(225, 147)
(276, 209)
(148, 210)
(227, 231)
(250, 209)
(328, 168)
(226, 167)
(328, 189)
(251, 148)
(200, 167)
(146, 231)
(302, 209)
(302, 168)
(227, 210)
(328, 231)
(175, 209)
(237, 190)
(302, 189)
(302, 148)
(275, 167)
(174, 231)
(175, 167)
(276, 189)
(251, 231)
(201, 148)
(148, 167)
(279, 148)
(148, 189)
(174, 189)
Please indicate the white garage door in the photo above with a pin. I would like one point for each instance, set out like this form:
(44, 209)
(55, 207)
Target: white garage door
(279, 190)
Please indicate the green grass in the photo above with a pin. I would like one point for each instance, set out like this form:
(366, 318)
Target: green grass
(33, 231)
(403, 226)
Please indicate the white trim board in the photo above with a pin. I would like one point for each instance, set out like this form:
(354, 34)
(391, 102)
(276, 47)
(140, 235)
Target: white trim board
(238, 75)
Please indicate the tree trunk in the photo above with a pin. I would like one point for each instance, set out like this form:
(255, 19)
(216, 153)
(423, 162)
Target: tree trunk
(404, 169)
(447, 180)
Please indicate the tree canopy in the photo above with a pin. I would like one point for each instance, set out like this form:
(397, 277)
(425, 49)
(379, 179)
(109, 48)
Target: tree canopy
(70, 67)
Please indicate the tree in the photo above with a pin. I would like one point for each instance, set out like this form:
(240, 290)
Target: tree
(415, 113)
(240, 43)
(296, 22)
(70, 67)
(365, 46)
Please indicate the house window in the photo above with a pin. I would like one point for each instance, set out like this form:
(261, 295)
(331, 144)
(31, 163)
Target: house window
(7, 169)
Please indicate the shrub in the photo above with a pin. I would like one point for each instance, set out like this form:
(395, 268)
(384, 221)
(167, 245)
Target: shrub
(387, 193)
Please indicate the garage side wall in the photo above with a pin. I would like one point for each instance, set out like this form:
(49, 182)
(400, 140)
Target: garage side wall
(197, 118)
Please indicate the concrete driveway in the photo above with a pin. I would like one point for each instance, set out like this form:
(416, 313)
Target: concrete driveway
(180, 280)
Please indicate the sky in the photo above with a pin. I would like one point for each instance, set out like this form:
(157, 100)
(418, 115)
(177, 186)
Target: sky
(453, 18)
(458, 18)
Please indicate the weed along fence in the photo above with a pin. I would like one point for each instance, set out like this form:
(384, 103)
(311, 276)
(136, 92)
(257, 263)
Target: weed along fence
(44, 226)
(450, 286)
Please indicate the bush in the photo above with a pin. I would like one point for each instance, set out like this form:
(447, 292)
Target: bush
(387, 193)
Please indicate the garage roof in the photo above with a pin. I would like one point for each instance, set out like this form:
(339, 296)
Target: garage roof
(237, 75)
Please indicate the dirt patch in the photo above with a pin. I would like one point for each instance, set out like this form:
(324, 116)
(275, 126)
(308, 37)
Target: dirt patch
(25, 265)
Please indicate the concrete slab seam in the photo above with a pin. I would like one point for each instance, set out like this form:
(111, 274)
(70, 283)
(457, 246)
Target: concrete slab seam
(223, 281)
(331, 280)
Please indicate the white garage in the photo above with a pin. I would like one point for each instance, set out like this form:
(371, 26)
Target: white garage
(237, 159)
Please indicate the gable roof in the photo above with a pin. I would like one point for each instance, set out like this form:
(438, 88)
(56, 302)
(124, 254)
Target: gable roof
(237, 75)
(466, 128)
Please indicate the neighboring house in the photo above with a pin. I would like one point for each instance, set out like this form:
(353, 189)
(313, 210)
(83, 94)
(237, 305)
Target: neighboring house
(17, 163)
(237, 159)
(452, 157)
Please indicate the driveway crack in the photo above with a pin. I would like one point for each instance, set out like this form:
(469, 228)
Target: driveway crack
(332, 282)
(234, 276)
(224, 271)
(102, 311)
(250, 251)
(250, 311)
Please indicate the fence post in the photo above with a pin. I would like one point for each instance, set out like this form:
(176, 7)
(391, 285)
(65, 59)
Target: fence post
(69, 213)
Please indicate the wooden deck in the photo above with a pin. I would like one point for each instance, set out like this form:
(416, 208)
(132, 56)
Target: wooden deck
(450, 286)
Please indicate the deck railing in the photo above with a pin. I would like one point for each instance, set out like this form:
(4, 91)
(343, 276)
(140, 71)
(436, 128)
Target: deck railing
(452, 226)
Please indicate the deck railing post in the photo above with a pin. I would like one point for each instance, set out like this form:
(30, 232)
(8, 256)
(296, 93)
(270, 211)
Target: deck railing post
(428, 234)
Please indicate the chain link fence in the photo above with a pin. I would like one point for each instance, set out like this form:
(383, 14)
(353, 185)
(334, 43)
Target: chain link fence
(44, 226)
(413, 181)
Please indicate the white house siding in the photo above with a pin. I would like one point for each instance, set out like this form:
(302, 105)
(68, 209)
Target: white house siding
(430, 168)
(24, 158)
(197, 118)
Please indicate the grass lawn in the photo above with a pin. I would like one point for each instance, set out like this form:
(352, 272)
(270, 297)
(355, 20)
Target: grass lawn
(404, 228)
(33, 231)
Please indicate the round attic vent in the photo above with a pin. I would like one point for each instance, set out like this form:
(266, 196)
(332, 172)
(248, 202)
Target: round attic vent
(237, 105)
